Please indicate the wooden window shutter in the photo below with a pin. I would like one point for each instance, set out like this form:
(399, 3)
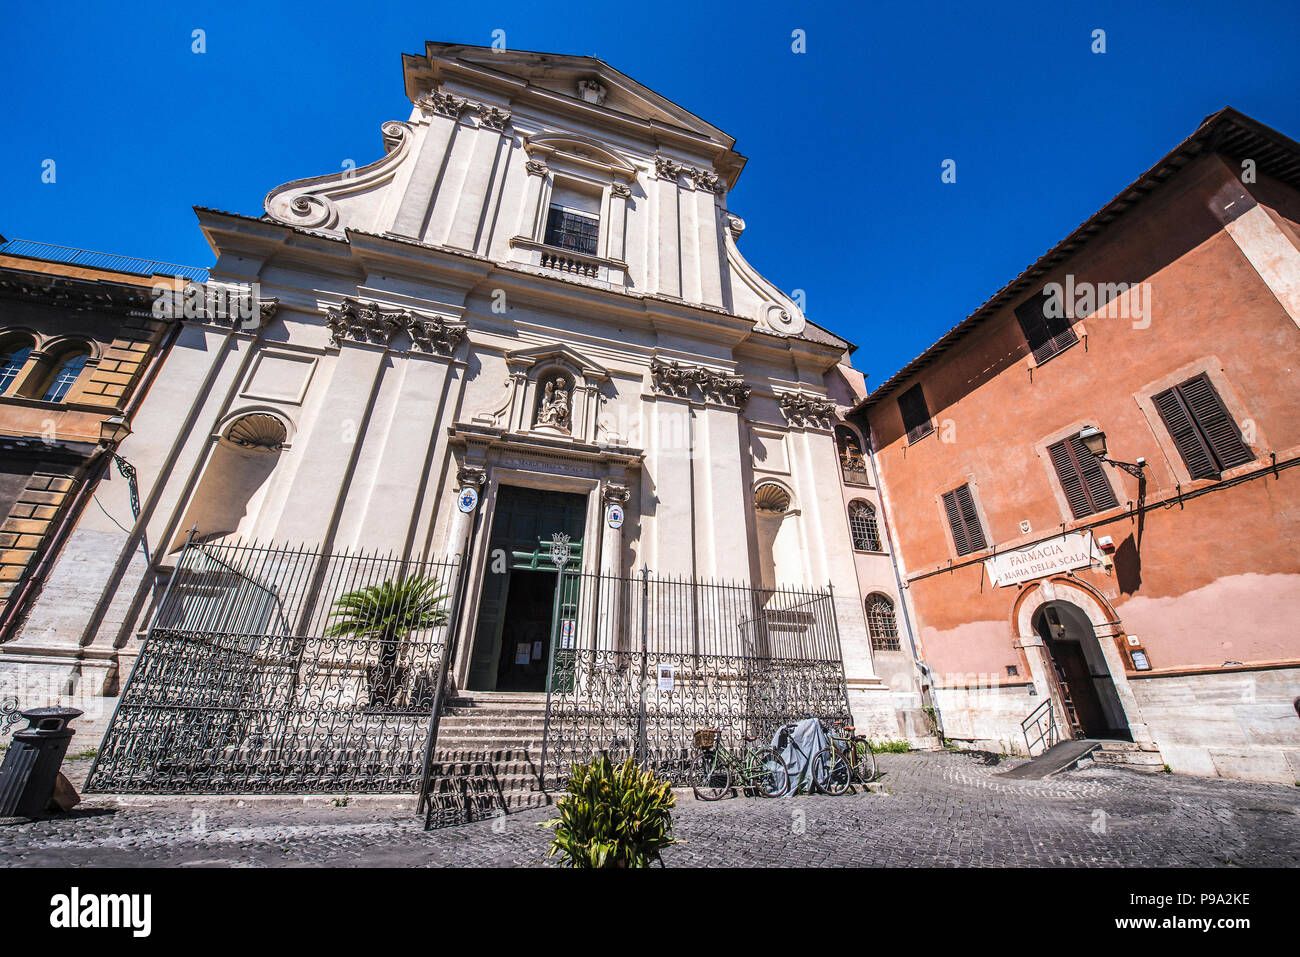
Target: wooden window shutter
(1221, 433)
(1205, 434)
(916, 414)
(1046, 335)
(1082, 477)
(967, 534)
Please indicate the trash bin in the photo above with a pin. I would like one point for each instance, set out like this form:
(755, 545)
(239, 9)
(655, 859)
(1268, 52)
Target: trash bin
(32, 762)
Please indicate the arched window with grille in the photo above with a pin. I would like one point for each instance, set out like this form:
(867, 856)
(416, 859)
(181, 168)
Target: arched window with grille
(862, 527)
(882, 624)
(13, 356)
(66, 370)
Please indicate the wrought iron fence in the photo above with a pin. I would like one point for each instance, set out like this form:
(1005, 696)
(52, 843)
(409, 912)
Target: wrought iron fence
(641, 662)
(280, 669)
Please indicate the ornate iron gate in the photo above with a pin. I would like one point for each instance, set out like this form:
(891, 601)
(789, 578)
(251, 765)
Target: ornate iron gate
(651, 659)
(277, 669)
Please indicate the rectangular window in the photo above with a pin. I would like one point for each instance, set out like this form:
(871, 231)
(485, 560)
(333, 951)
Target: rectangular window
(1047, 334)
(569, 229)
(967, 534)
(1206, 436)
(1082, 477)
(916, 414)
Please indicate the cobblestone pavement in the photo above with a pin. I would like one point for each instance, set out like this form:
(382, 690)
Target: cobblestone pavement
(935, 809)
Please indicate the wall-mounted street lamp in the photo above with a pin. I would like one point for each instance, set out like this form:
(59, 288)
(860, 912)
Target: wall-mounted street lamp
(1094, 439)
(112, 431)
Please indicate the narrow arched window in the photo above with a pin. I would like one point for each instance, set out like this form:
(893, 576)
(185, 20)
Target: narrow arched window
(13, 356)
(853, 464)
(65, 374)
(862, 527)
(881, 623)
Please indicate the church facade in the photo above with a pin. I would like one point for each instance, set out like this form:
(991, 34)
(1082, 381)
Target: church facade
(531, 309)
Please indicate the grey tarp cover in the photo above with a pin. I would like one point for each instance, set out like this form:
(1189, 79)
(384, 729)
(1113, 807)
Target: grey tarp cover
(804, 741)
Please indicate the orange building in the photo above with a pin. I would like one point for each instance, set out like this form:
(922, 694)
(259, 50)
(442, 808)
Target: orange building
(1089, 480)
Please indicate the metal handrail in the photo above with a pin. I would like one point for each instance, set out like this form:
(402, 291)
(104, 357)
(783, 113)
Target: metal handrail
(1043, 734)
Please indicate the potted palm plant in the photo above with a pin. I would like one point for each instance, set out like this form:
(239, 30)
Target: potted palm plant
(388, 613)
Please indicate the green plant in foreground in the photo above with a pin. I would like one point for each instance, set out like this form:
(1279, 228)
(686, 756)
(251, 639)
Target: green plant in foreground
(612, 816)
(387, 613)
(890, 747)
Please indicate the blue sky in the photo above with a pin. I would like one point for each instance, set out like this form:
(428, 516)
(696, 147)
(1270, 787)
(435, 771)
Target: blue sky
(842, 194)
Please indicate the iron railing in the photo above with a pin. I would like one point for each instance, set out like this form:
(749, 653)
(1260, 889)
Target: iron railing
(1042, 721)
(643, 661)
(283, 669)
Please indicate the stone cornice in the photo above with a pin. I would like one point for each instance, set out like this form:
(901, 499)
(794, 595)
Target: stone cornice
(78, 295)
(262, 238)
(364, 321)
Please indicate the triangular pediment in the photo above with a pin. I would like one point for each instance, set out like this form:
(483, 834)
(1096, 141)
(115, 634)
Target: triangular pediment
(558, 74)
(535, 355)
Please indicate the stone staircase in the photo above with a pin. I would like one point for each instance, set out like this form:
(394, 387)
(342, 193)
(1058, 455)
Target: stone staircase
(1130, 755)
(489, 751)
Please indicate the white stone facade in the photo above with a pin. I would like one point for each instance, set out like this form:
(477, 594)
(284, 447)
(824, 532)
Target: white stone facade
(415, 317)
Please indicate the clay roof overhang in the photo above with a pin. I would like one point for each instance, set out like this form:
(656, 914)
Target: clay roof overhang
(1227, 132)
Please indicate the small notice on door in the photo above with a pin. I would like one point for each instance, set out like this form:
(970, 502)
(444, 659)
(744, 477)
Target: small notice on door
(666, 677)
(522, 655)
(537, 650)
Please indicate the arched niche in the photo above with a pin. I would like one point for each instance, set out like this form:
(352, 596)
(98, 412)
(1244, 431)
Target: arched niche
(776, 524)
(542, 379)
(237, 474)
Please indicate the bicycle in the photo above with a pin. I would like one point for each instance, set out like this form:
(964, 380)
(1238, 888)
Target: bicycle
(847, 758)
(711, 773)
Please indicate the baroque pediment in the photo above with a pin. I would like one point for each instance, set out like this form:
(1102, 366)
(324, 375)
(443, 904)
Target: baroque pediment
(583, 79)
(523, 359)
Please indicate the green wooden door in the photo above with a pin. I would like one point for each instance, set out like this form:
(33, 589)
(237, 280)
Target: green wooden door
(523, 522)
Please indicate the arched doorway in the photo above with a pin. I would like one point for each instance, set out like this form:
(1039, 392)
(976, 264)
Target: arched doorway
(1084, 683)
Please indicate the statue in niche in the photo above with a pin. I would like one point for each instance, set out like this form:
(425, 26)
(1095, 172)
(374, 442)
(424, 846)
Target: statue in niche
(554, 407)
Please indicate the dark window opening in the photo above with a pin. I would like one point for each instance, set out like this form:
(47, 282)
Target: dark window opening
(566, 229)
(1048, 335)
(882, 624)
(916, 414)
(863, 528)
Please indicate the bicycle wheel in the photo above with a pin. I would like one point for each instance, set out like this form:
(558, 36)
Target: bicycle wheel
(710, 776)
(831, 772)
(864, 765)
(771, 777)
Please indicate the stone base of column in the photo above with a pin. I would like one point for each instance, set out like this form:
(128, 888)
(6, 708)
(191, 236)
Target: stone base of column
(872, 707)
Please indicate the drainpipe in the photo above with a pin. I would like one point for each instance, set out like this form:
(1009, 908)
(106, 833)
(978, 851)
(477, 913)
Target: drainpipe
(927, 677)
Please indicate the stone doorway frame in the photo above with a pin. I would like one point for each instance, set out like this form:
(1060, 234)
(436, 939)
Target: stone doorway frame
(480, 557)
(1107, 628)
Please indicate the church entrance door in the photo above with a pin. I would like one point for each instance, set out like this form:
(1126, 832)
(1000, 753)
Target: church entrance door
(517, 614)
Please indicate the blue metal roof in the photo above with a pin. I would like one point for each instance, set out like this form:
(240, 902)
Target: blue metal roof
(85, 257)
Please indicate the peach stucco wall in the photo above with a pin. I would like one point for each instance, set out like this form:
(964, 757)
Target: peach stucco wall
(1213, 578)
